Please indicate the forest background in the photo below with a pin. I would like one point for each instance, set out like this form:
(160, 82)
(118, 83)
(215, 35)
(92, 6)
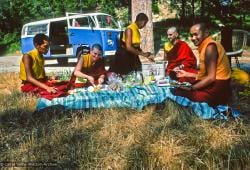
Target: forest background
(13, 14)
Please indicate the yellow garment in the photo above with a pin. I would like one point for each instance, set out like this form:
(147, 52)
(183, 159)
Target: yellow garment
(168, 46)
(240, 75)
(136, 36)
(223, 70)
(87, 61)
(37, 66)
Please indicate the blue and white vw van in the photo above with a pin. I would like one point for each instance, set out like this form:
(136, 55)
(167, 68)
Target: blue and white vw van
(70, 34)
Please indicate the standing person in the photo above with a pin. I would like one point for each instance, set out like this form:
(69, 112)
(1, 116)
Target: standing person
(32, 72)
(213, 77)
(179, 55)
(126, 58)
(91, 66)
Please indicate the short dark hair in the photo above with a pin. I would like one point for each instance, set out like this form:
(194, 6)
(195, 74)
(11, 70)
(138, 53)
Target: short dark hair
(141, 17)
(204, 23)
(97, 46)
(203, 26)
(39, 38)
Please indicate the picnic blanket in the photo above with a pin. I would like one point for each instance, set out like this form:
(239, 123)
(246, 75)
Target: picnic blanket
(135, 97)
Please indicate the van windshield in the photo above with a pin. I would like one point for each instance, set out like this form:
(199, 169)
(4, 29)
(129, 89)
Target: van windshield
(107, 21)
(34, 29)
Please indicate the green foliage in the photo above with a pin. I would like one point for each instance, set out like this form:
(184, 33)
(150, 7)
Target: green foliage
(122, 15)
(235, 13)
(13, 48)
(155, 8)
(66, 74)
(8, 38)
(10, 42)
(13, 14)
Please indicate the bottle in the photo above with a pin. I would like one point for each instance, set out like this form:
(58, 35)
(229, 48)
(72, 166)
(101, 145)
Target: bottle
(152, 76)
(141, 78)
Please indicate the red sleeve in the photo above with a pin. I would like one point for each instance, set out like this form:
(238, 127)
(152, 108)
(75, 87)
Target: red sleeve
(186, 56)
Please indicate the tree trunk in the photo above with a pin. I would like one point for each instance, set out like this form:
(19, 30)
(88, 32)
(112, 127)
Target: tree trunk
(147, 39)
(193, 8)
(183, 9)
(202, 8)
(226, 38)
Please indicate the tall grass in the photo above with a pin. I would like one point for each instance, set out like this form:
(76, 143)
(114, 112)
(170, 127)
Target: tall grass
(164, 137)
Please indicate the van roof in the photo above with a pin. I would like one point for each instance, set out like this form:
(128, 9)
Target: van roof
(72, 15)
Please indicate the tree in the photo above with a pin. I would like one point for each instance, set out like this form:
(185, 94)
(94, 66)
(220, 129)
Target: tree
(144, 6)
(183, 8)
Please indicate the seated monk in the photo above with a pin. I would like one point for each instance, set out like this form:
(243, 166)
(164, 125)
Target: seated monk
(32, 72)
(179, 56)
(213, 78)
(91, 67)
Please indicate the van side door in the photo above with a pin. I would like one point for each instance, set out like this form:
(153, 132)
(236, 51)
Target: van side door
(110, 33)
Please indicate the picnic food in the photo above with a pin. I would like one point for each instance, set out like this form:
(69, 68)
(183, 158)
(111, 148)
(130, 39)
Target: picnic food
(91, 89)
(115, 86)
(82, 80)
(178, 84)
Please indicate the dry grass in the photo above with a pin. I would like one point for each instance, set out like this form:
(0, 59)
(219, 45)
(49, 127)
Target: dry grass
(163, 137)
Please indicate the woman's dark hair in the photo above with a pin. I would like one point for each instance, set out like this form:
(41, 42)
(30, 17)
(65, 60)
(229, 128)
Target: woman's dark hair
(39, 38)
(97, 46)
(141, 17)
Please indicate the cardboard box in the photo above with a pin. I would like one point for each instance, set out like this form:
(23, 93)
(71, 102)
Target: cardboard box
(158, 69)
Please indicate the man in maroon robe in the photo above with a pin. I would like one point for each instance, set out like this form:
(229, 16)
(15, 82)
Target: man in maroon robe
(179, 56)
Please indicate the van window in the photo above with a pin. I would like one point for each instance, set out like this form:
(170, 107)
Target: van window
(82, 22)
(34, 29)
(106, 21)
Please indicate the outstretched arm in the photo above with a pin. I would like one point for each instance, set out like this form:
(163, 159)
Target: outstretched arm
(129, 47)
(182, 73)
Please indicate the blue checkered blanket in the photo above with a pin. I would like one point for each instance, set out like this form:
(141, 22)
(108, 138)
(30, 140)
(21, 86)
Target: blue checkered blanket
(136, 97)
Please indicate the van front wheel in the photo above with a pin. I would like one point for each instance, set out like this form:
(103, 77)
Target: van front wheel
(62, 61)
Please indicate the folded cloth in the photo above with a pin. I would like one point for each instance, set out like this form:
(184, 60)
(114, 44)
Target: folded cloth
(136, 97)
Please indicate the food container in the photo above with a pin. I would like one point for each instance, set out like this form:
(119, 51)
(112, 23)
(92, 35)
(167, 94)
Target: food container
(156, 69)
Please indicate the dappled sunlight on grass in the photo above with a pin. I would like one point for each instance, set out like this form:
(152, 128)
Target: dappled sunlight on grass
(167, 136)
(27, 102)
(168, 151)
(9, 82)
(219, 137)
